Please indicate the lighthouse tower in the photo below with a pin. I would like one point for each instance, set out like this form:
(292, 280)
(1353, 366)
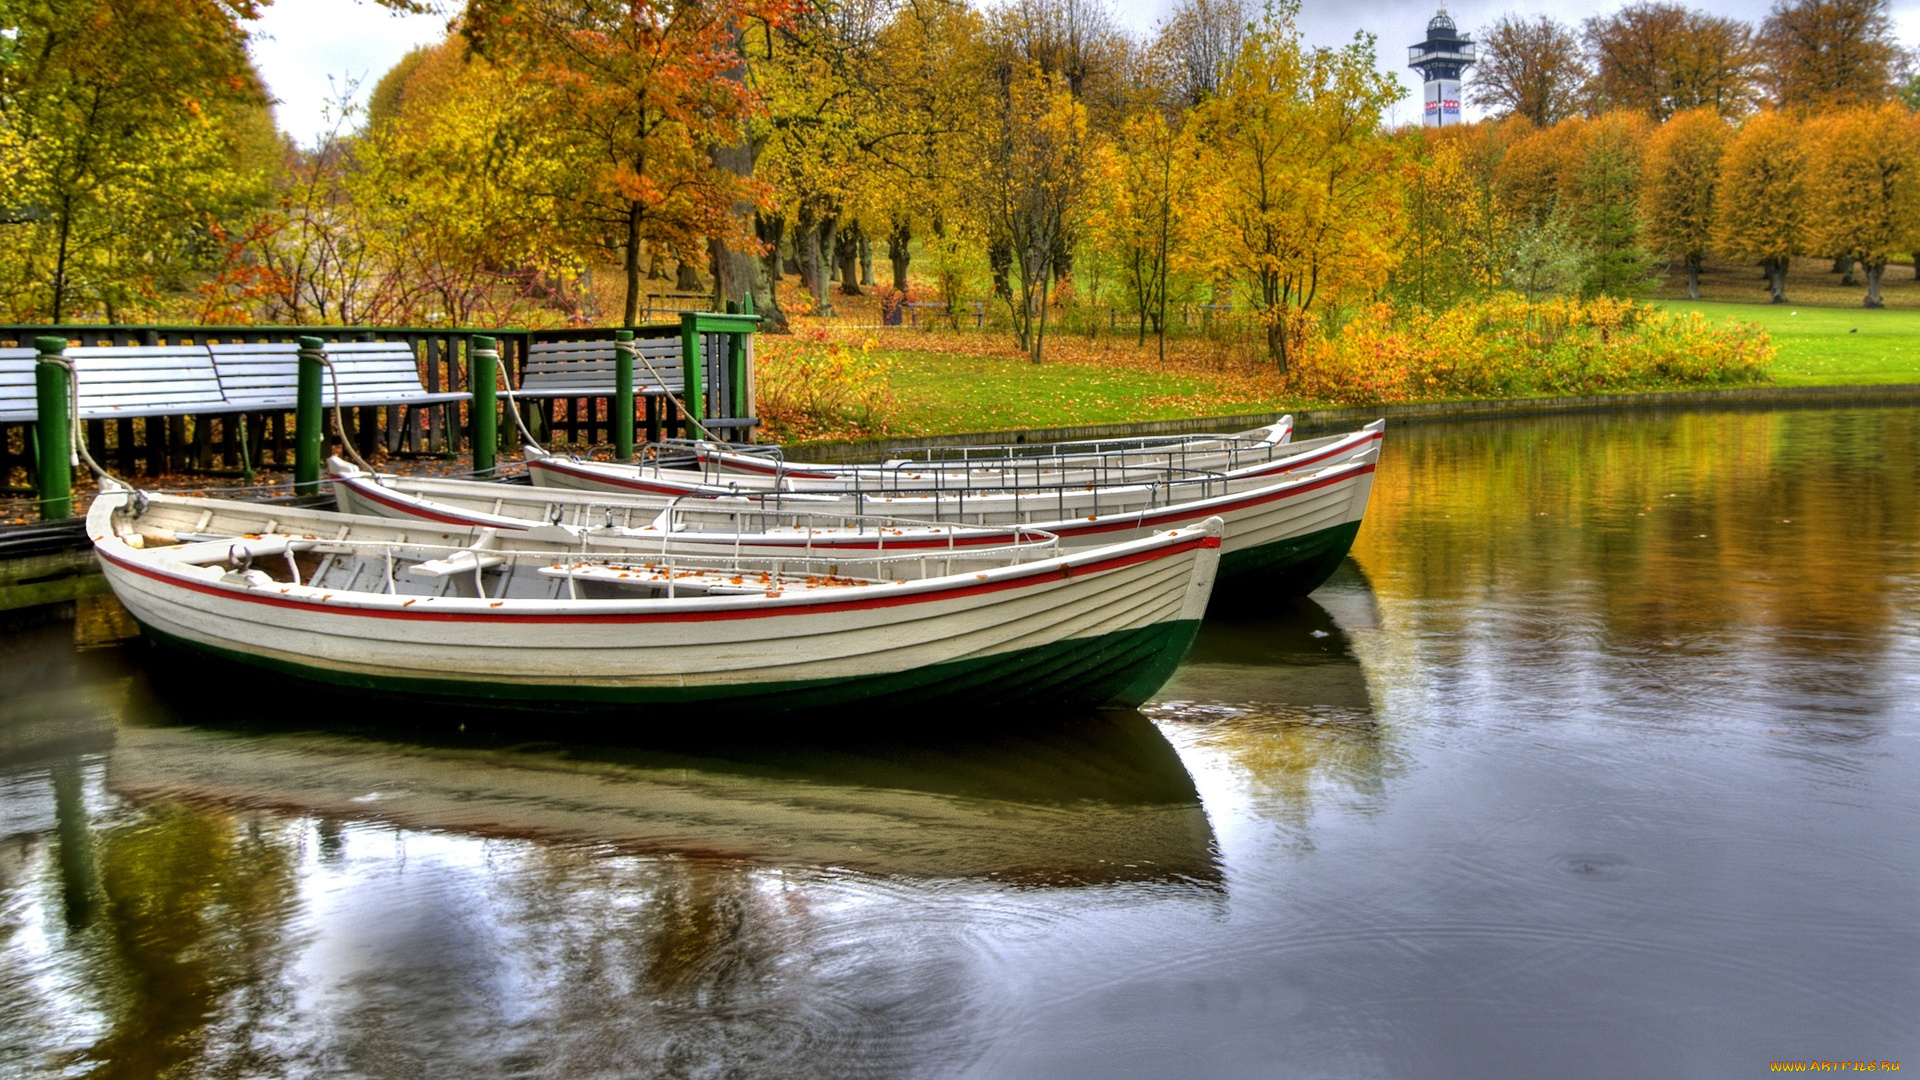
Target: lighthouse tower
(1440, 59)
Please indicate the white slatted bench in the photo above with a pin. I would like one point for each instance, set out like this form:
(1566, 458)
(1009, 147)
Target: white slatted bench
(17, 401)
(124, 381)
(266, 377)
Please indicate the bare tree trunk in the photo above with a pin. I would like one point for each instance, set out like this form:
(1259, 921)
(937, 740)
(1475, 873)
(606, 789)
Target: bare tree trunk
(1777, 279)
(771, 229)
(899, 251)
(656, 263)
(60, 262)
(1040, 331)
(737, 274)
(630, 311)
(1874, 270)
(1693, 279)
(686, 275)
(846, 254)
(806, 251)
(822, 251)
(866, 259)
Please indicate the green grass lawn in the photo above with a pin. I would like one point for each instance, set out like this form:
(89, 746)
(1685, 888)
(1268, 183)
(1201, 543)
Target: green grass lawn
(1827, 346)
(941, 392)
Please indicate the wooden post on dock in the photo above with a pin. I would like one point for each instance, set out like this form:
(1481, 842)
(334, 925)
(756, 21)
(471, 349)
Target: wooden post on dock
(307, 423)
(53, 398)
(623, 395)
(483, 362)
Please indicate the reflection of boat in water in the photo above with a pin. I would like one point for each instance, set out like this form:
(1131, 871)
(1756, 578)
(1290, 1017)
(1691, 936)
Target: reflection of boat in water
(1284, 696)
(1296, 654)
(1083, 799)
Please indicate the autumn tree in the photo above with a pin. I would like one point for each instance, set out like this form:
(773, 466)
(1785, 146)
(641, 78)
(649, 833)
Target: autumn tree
(1308, 208)
(1679, 182)
(1820, 54)
(442, 176)
(1198, 42)
(1148, 211)
(930, 98)
(1451, 246)
(1529, 67)
(1606, 209)
(1535, 177)
(131, 127)
(1864, 196)
(1759, 207)
(1662, 58)
(631, 100)
(1034, 177)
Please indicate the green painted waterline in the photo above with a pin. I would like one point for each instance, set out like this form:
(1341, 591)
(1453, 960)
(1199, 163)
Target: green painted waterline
(1293, 567)
(1120, 669)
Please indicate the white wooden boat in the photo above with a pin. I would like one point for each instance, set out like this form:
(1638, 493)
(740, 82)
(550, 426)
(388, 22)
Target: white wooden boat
(758, 522)
(554, 470)
(1211, 453)
(463, 614)
(1285, 533)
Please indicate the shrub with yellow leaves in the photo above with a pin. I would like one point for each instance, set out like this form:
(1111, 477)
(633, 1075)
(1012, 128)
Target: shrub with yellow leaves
(1507, 346)
(809, 386)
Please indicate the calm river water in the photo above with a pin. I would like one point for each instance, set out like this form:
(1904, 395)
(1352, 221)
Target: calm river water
(1601, 758)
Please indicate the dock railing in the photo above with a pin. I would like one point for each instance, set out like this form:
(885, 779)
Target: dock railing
(233, 441)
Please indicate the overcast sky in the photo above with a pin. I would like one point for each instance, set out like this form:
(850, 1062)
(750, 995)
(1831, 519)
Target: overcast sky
(308, 48)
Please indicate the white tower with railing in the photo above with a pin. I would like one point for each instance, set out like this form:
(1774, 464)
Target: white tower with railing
(1440, 59)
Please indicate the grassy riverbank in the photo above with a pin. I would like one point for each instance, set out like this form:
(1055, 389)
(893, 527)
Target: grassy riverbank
(1828, 346)
(943, 382)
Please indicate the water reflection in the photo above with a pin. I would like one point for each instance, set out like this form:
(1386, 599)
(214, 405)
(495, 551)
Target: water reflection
(1069, 800)
(1284, 698)
(285, 894)
(1667, 569)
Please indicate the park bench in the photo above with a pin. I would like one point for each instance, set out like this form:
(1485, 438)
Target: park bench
(936, 308)
(17, 403)
(120, 382)
(585, 369)
(266, 376)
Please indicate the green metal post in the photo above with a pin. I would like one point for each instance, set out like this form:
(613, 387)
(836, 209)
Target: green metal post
(693, 394)
(728, 396)
(307, 423)
(623, 394)
(482, 364)
(55, 429)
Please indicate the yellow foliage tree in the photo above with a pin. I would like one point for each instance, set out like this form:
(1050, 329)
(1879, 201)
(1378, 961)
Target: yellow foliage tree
(128, 126)
(1864, 199)
(1308, 207)
(1678, 183)
(1148, 211)
(1760, 203)
(1454, 228)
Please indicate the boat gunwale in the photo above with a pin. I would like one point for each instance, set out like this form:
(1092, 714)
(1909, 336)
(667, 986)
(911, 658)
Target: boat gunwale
(1088, 561)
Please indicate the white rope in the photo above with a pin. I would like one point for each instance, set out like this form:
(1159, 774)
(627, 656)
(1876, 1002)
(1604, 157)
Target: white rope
(513, 404)
(658, 378)
(76, 435)
(339, 424)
